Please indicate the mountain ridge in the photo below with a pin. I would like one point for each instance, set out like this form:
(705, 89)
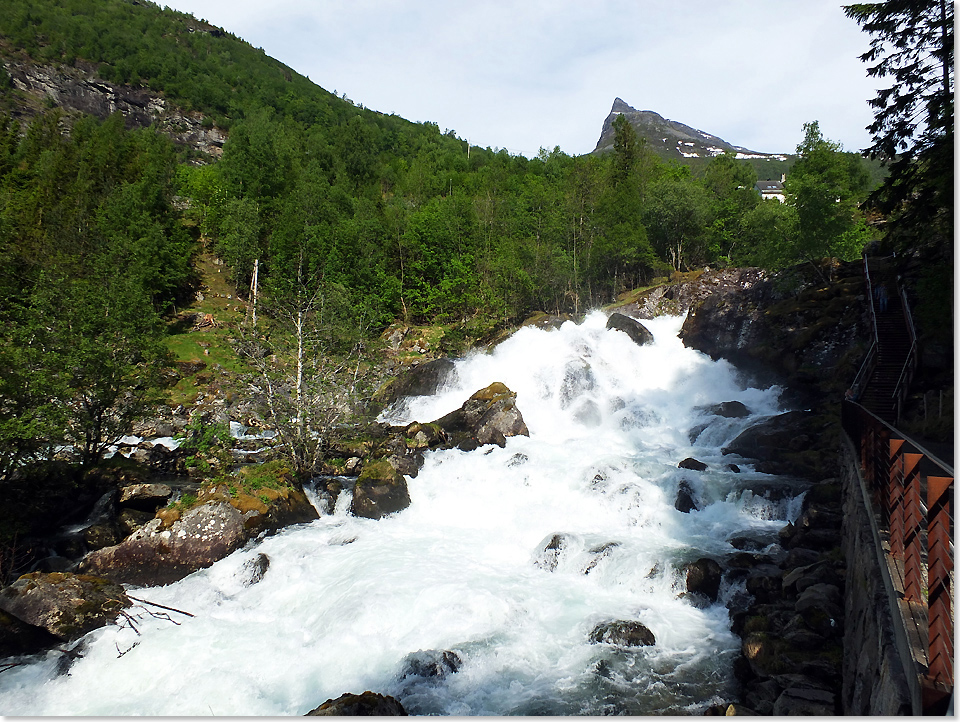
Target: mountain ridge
(672, 140)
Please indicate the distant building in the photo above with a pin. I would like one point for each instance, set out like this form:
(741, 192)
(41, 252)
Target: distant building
(770, 189)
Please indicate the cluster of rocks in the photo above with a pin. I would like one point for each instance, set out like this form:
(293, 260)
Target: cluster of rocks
(791, 620)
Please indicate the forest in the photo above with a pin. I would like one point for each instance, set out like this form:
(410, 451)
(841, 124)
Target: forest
(371, 218)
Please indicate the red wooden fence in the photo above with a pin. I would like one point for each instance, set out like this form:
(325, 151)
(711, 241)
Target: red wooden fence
(913, 493)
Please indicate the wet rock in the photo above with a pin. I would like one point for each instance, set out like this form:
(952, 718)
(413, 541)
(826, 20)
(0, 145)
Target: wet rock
(703, 577)
(352, 466)
(692, 464)
(18, 637)
(548, 556)
(728, 410)
(422, 380)
(623, 633)
(145, 497)
(368, 704)
(598, 554)
(253, 570)
(637, 332)
(685, 501)
(156, 555)
(65, 605)
(431, 664)
(380, 490)
(487, 417)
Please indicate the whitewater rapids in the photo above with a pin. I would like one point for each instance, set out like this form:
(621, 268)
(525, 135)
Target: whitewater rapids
(345, 601)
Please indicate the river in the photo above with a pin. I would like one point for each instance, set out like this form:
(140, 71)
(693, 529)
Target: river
(347, 603)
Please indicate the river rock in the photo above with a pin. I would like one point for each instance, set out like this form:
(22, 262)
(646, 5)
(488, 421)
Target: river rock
(703, 577)
(692, 464)
(157, 555)
(487, 417)
(431, 664)
(637, 332)
(145, 497)
(18, 637)
(548, 555)
(623, 633)
(685, 502)
(66, 605)
(253, 570)
(380, 490)
(368, 704)
(728, 410)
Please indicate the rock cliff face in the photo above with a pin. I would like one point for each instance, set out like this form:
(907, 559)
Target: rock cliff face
(793, 328)
(78, 89)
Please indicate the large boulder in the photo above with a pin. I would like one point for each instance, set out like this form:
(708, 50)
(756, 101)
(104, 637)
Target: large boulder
(65, 605)
(487, 417)
(159, 554)
(368, 704)
(637, 332)
(380, 490)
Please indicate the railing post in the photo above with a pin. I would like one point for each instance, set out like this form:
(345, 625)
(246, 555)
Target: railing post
(939, 571)
(913, 524)
(892, 511)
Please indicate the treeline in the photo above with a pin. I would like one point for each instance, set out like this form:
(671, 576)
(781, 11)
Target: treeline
(377, 217)
(422, 227)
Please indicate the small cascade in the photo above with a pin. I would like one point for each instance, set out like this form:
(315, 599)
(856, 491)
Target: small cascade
(495, 591)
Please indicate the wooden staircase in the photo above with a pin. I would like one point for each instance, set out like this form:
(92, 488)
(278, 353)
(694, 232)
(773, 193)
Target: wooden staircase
(893, 347)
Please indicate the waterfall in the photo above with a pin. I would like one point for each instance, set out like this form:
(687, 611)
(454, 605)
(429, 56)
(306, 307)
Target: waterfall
(480, 598)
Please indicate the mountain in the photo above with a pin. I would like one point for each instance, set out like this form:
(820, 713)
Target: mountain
(672, 140)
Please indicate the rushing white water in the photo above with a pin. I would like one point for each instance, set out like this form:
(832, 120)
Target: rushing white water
(345, 601)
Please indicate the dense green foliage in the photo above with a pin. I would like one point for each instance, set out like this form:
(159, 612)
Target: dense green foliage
(388, 219)
(91, 253)
(912, 45)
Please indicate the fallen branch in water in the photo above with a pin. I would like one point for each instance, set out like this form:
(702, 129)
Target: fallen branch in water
(154, 604)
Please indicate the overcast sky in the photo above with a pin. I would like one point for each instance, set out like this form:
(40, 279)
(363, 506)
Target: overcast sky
(526, 74)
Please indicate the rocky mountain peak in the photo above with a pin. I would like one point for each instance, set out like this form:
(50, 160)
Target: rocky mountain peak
(670, 139)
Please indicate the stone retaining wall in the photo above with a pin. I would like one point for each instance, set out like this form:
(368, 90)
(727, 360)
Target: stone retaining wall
(874, 680)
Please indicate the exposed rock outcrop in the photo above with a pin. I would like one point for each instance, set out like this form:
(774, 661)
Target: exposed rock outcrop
(368, 704)
(793, 328)
(79, 89)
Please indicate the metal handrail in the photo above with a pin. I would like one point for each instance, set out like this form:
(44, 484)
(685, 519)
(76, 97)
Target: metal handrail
(911, 362)
(913, 491)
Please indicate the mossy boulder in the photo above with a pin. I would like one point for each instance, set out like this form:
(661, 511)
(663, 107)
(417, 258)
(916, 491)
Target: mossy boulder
(380, 490)
(489, 416)
(65, 605)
